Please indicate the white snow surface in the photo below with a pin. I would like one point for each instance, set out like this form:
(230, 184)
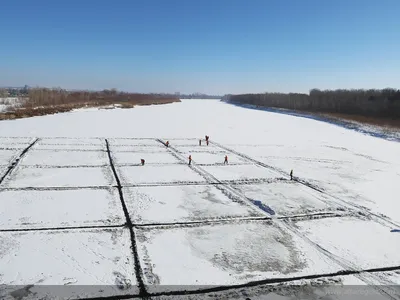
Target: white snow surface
(50, 188)
(65, 158)
(169, 204)
(214, 158)
(287, 198)
(219, 254)
(150, 158)
(240, 172)
(67, 258)
(72, 141)
(59, 208)
(69, 147)
(132, 142)
(24, 177)
(6, 156)
(151, 174)
(343, 237)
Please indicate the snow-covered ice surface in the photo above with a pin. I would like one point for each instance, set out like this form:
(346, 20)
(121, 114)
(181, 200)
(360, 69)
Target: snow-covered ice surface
(14, 143)
(150, 174)
(287, 198)
(6, 156)
(59, 208)
(135, 143)
(239, 172)
(196, 225)
(219, 255)
(344, 236)
(150, 158)
(24, 177)
(194, 147)
(390, 277)
(73, 257)
(169, 204)
(133, 149)
(69, 147)
(215, 158)
(65, 158)
(71, 141)
(68, 144)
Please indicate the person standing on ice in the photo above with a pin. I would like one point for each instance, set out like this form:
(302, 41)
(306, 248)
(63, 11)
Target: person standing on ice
(142, 161)
(190, 160)
(226, 160)
(291, 174)
(167, 143)
(207, 137)
(199, 142)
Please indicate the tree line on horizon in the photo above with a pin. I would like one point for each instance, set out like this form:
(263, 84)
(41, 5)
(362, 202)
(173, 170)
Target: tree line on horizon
(57, 96)
(372, 102)
(24, 92)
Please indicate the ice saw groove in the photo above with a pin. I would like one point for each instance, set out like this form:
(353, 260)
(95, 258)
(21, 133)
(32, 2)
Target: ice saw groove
(15, 162)
(138, 269)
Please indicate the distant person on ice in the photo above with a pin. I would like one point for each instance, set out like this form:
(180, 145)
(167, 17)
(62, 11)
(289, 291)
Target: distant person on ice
(199, 142)
(226, 160)
(142, 161)
(207, 138)
(190, 160)
(167, 143)
(291, 174)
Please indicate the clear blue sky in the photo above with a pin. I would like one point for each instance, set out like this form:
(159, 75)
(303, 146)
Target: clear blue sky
(211, 46)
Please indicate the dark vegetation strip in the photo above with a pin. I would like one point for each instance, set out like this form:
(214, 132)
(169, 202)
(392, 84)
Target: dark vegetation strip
(383, 103)
(44, 101)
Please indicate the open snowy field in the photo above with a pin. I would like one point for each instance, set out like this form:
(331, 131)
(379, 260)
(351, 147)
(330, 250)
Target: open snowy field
(80, 216)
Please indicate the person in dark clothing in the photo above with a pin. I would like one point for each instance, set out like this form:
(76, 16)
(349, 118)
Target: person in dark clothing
(190, 160)
(199, 142)
(291, 174)
(142, 161)
(226, 160)
(167, 143)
